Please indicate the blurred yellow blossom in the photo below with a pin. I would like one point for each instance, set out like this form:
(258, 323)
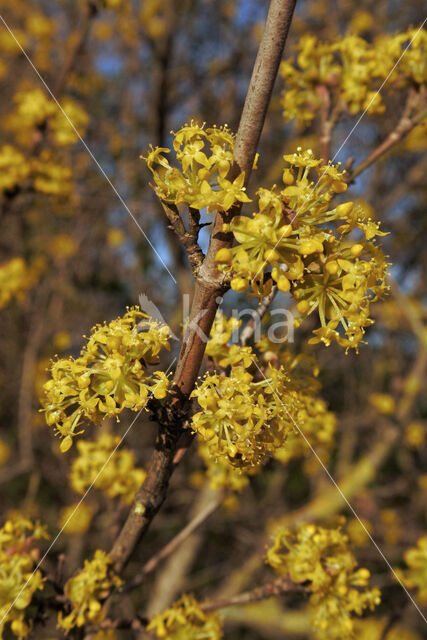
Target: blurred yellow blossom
(113, 473)
(75, 518)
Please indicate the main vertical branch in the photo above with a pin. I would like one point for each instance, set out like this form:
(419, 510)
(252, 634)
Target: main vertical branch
(209, 283)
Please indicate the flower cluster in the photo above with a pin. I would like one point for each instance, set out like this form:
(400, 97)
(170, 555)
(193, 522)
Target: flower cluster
(75, 518)
(185, 620)
(322, 557)
(218, 347)
(109, 375)
(85, 590)
(16, 278)
(14, 167)
(416, 576)
(205, 157)
(46, 174)
(220, 473)
(241, 420)
(18, 583)
(119, 475)
(352, 70)
(35, 109)
(325, 270)
(312, 418)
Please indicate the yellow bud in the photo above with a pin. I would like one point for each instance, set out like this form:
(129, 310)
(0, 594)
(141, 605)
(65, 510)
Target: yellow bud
(364, 574)
(83, 382)
(285, 231)
(356, 250)
(287, 177)
(331, 267)
(344, 209)
(308, 246)
(283, 284)
(303, 306)
(239, 284)
(383, 402)
(66, 444)
(94, 606)
(271, 255)
(224, 255)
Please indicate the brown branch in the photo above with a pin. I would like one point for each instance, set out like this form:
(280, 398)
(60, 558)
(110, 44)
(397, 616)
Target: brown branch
(208, 287)
(188, 238)
(272, 589)
(83, 29)
(326, 124)
(407, 122)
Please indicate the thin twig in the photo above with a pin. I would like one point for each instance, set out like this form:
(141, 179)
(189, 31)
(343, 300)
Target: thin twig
(254, 321)
(406, 123)
(275, 588)
(188, 239)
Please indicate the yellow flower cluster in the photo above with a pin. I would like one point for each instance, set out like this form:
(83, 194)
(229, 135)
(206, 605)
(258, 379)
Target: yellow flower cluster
(14, 167)
(75, 518)
(324, 269)
(85, 590)
(185, 620)
(119, 476)
(205, 157)
(49, 177)
(311, 413)
(221, 473)
(46, 174)
(351, 70)
(109, 375)
(322, 557)
(16, 278)
(316, 423)
(241, 420)
(18, 583)
(218, 347)
(34, 109)
(416, 576)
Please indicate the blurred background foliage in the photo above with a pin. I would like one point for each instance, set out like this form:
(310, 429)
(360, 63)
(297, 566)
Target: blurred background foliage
(127, 73)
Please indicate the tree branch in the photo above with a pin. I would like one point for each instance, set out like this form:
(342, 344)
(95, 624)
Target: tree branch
(407, 122)
(188, 238)
(272, 589)
(209, 286)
